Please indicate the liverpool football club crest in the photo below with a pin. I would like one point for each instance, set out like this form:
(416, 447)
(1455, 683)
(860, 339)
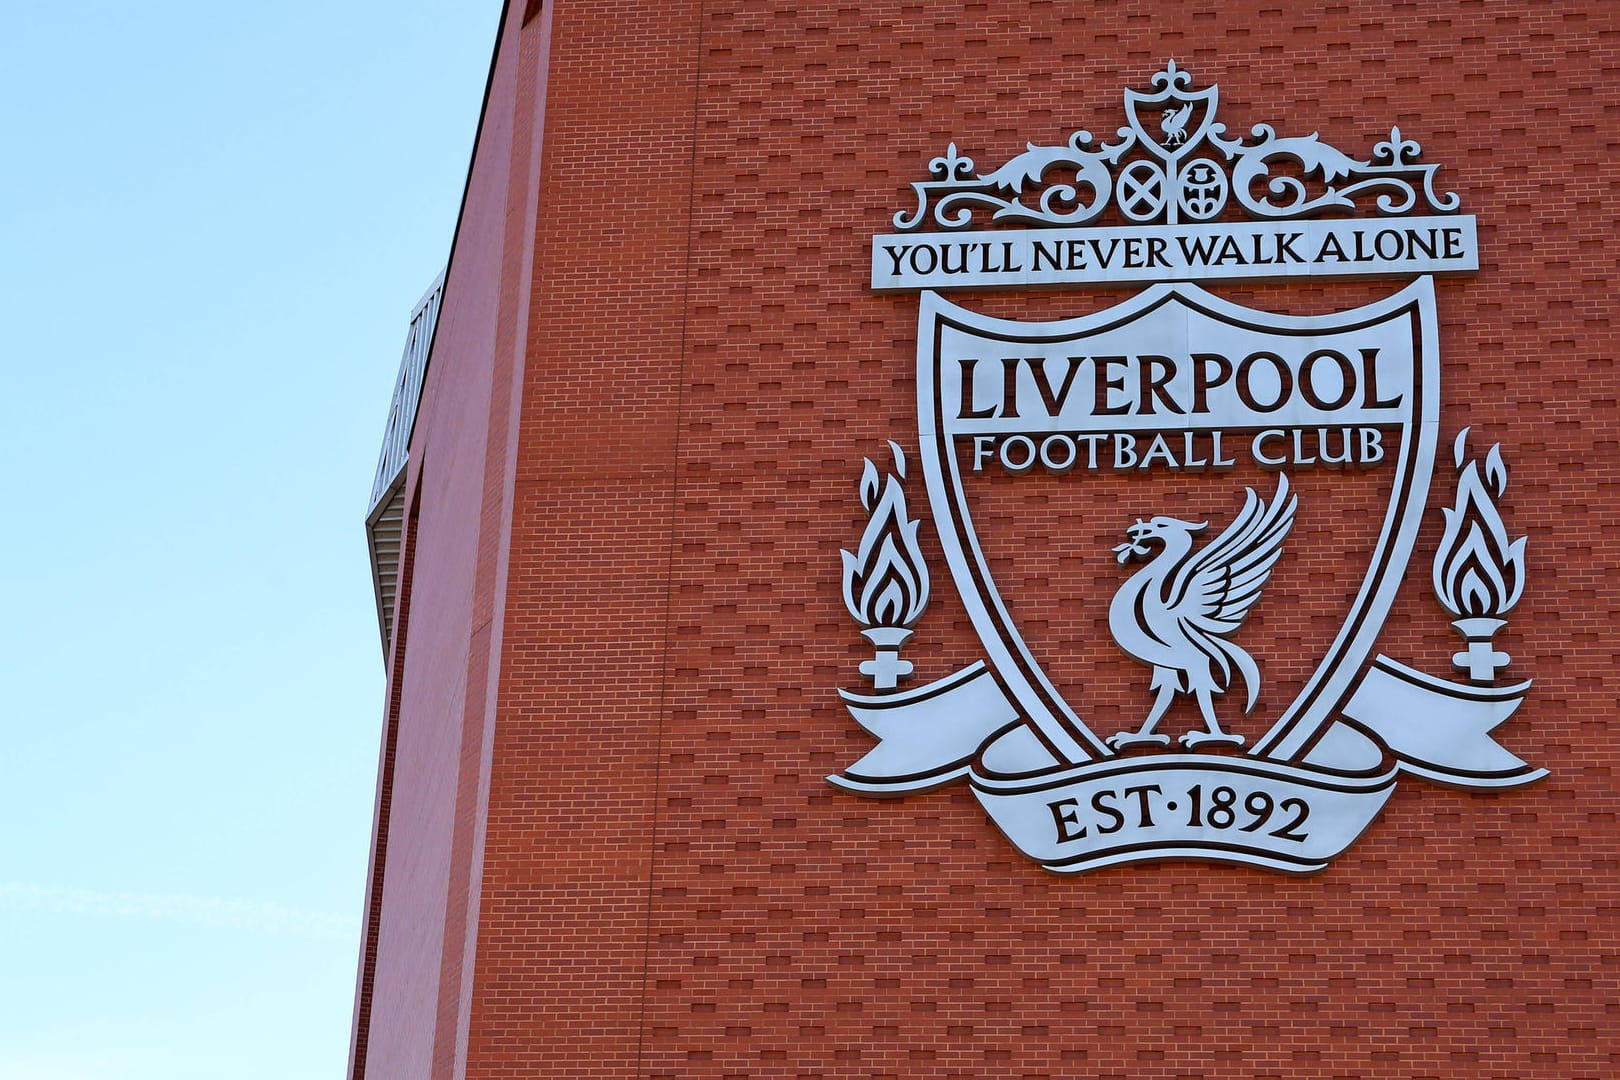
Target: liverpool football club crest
(1221, 505)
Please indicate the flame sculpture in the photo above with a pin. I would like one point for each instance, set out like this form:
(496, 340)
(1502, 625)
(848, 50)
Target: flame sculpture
(886, 581)
(1478, 573)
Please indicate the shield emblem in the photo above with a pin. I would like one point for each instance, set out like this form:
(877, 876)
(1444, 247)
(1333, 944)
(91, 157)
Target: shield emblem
(1174, 120)
(1180, 520)
(1107, 416)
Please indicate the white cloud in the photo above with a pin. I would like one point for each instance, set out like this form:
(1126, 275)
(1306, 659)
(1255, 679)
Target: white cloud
(55, 1065)
(221, 912)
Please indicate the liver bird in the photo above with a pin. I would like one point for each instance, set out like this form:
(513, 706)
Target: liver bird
(1176, 613)
(1174, 124)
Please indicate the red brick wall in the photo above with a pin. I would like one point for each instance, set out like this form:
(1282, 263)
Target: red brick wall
(414, 994)
(669, 887)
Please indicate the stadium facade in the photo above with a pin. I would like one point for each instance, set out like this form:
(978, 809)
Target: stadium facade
(1030, 539)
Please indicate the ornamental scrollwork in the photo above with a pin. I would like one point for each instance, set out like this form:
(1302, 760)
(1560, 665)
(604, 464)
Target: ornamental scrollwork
(1186, 172)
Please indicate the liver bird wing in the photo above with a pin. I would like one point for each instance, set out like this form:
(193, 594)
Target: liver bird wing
(1173, 122)
(1215, 589)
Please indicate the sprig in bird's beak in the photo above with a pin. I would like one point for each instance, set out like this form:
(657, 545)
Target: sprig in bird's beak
(1137, 534)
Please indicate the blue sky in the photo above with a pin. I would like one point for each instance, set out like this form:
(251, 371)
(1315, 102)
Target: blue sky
(216, 219)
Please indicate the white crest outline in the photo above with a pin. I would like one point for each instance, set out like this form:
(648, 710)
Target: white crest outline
(1063, 732)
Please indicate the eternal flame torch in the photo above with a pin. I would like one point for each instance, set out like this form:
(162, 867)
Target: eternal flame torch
(886, 581)
(1478, 574)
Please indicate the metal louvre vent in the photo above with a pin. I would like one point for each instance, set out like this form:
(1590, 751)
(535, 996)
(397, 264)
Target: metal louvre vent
(386, 532)
(386, 511)
(407, 394)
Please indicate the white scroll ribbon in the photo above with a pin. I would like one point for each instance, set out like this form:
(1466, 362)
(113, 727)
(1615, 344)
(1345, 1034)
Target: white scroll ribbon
(1291, 816)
